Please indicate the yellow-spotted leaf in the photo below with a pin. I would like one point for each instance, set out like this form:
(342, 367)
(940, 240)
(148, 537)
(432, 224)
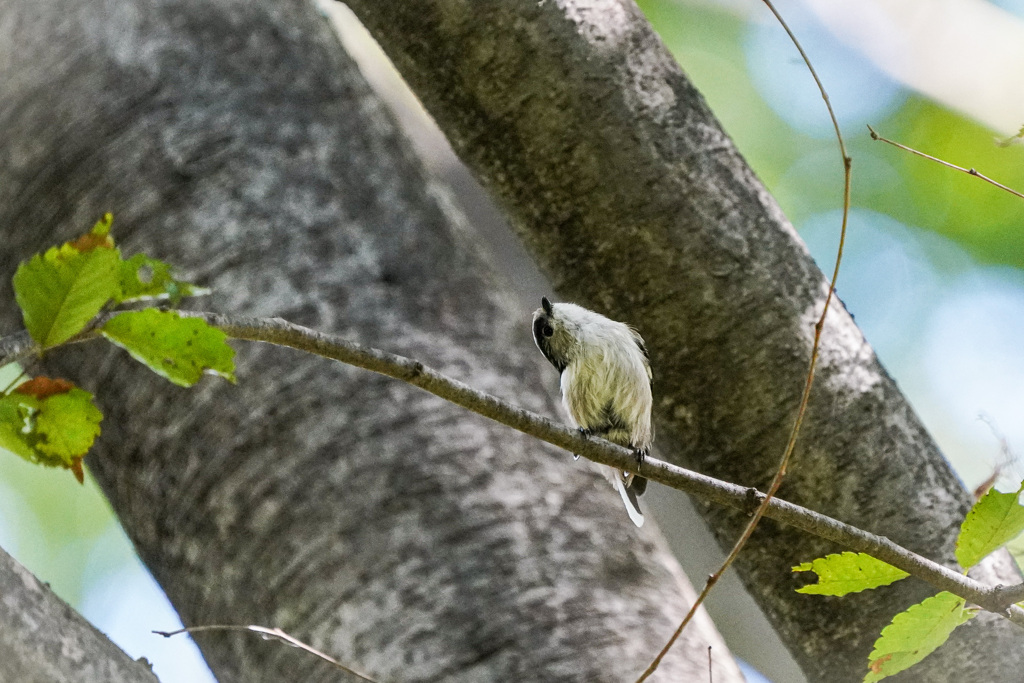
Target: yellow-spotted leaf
(994, 520)
(15, 426)
(67, 425)
(915, 634)
(848, 573)
(180, 349)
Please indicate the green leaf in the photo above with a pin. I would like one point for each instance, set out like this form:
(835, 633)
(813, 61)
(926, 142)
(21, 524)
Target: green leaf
(143, 278)
(15, 425)
(62, 290)
(177, 348)
(915, 634)
(67, 425)
(49, 422)
(102, 226)
(992, 522)
(1016, 550)
(848, 573)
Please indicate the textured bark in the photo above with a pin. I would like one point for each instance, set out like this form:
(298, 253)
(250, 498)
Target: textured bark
(409, 539)
(43, 640)
(636, 203)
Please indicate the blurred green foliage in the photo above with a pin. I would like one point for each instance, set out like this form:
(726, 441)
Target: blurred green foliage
(984, 219)
(53, 524)
(805, 174)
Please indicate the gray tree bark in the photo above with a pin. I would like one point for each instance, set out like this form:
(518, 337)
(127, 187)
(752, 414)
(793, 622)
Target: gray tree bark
(406, 538)
(636, 203)
(43, 640)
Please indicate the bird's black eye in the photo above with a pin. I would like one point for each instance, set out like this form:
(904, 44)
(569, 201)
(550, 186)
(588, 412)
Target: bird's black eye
(547, 331)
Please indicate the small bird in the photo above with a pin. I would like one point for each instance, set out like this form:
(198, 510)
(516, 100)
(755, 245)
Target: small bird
(605, 382)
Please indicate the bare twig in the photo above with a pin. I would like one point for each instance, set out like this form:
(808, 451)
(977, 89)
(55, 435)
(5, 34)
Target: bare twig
(1007, 458)
(787, 455)
(968, 171)
(268, 633)
(284, 333)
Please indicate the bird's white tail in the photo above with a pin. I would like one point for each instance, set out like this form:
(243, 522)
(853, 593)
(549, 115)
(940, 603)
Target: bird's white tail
(630, 501)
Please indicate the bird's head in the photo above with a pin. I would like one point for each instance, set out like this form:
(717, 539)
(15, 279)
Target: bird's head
(555, 331)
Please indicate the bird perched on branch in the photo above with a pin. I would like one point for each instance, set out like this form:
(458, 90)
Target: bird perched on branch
(605, 382)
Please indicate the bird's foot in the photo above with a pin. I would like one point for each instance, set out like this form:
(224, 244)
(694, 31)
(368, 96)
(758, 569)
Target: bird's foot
(585, 433)
(641, 455)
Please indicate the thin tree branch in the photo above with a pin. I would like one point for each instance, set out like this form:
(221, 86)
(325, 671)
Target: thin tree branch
(283, 333)
(268, 633)
(968, 171)
(1008, 595)
(780, 472)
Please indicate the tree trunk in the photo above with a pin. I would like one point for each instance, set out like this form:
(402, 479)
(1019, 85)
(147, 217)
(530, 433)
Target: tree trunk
(636, 203)
(403, 536)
